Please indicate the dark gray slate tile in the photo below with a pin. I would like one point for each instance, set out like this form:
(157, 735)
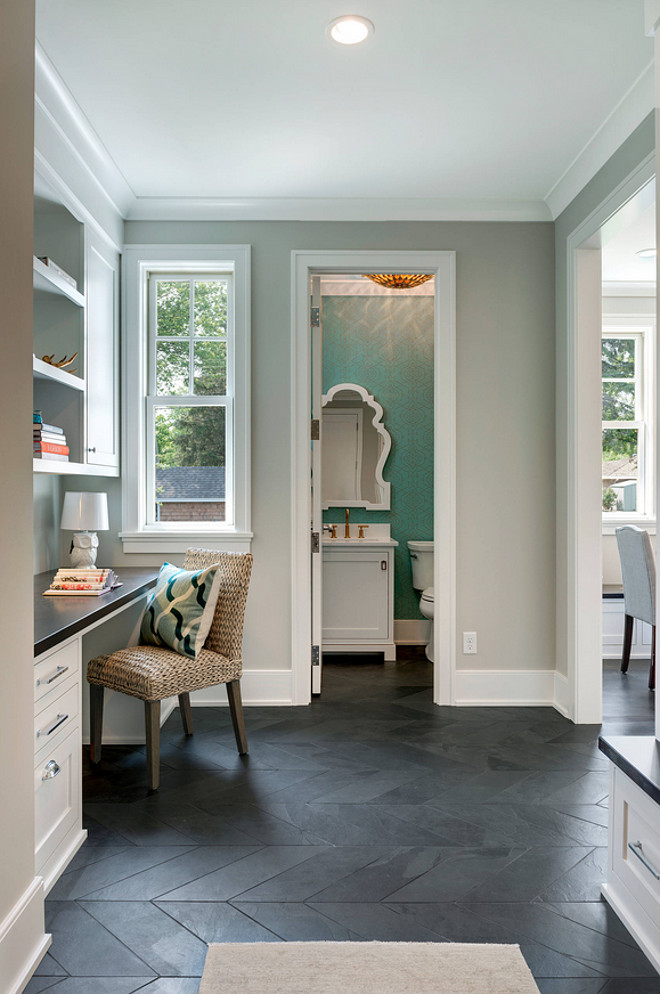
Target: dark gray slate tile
(85, 948)
(162, 943)
(97, 985)
(297, 922)
(177, 872)
(456, 874)
(172, 985)
(305, 879)
(38, 984)
(128, 862)
(581, 883)
(390, 871)
(213, 921)
(525, 877)
(49, 967)
(235, 879)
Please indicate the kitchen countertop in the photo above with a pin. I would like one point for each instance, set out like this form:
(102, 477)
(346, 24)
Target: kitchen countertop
(638, 756)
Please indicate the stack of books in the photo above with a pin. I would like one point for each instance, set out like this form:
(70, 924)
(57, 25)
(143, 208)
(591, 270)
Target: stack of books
(83, 582)
(48, 441)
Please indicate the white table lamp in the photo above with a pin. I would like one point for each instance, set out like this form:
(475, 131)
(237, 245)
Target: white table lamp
(84, 514)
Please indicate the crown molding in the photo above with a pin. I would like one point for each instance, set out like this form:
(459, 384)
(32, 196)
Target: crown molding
(631, 110)
(63, 121)
(333, 209)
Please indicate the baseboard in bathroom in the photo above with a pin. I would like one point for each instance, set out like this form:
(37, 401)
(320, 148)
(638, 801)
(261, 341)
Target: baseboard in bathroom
(411, 631)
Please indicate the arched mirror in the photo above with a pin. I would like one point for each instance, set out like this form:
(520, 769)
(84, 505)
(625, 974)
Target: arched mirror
(355, 446)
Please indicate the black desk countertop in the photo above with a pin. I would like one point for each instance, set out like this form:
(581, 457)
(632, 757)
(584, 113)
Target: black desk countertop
(638, 756)
(58, 618)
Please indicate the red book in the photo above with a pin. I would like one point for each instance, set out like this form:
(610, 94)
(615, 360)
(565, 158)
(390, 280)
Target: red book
(62, 450)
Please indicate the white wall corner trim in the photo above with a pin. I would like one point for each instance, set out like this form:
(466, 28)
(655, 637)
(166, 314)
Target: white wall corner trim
(23, 942)
(631, 110)
(505, 688)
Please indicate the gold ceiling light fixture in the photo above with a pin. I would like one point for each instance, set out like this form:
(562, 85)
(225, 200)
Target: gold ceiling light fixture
(399, 281)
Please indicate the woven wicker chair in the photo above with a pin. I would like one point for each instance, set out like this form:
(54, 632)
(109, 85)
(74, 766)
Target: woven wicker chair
(152, 674)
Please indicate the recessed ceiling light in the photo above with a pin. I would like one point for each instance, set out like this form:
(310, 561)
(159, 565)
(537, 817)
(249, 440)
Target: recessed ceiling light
(350, 29)
(648, 253)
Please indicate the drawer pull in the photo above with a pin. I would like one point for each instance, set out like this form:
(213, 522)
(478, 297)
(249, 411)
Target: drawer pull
(636, 849)
(54, 676)
(51, 770)
(56, 724)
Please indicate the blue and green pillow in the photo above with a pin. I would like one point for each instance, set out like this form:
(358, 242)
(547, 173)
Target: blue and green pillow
(180, 611)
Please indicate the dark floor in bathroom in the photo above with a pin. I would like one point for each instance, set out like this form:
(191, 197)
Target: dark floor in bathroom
(371, 814)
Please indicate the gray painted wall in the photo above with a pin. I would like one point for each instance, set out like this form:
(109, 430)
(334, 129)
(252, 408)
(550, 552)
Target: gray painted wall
(506, 444)
(624, 161)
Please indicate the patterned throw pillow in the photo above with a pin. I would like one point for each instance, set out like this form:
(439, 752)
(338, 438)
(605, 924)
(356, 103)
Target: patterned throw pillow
(180, 611)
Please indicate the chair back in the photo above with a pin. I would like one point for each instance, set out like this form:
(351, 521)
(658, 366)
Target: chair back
(226, 634)
(638, 572)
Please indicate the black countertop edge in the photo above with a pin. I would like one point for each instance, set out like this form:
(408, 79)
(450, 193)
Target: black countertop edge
(613, 596)
(79, 613)
(638, 756)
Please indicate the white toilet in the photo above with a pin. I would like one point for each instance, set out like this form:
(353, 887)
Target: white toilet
(421, 560)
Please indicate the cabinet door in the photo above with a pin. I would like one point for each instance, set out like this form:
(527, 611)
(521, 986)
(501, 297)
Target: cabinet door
(102, 355)
(356, 596)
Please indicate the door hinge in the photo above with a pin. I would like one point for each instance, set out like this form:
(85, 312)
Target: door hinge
(315, 656)
(316, 545)
(315, 317)
(316, 429)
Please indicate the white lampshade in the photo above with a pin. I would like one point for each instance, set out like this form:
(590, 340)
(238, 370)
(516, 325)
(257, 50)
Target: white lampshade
(85, 512)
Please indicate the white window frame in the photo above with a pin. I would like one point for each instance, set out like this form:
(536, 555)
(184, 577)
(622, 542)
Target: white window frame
(642, 329)
(139, 534)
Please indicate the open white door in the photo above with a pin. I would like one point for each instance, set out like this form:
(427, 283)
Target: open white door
(316, 513)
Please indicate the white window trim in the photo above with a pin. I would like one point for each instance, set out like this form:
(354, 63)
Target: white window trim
(644, 325)
(170, 537)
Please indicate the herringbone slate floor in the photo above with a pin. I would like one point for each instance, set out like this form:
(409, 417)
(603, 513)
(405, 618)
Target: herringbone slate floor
(372, 814)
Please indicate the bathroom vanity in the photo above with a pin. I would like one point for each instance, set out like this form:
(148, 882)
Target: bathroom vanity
(358, 592)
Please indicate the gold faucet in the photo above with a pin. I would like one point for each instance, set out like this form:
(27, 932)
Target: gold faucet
(347, 529)
(361, 530)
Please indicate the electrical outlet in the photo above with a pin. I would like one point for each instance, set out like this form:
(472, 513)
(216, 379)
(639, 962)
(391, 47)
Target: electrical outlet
(469, 643)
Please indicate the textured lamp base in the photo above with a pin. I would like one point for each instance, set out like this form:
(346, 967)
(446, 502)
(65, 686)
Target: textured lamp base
(83, 550)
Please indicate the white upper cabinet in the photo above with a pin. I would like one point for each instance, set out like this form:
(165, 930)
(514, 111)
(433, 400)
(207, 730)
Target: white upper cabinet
(102, 355)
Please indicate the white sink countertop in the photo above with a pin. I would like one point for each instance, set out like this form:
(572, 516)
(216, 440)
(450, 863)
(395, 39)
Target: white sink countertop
(376, 533)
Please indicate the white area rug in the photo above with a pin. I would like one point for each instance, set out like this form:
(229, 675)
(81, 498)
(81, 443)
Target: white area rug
(365, 968)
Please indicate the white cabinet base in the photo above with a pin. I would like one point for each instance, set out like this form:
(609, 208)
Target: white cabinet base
(632, 887)
(358, 597)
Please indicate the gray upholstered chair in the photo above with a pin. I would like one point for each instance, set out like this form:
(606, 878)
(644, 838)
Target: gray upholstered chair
(638, 573)
(153, 674)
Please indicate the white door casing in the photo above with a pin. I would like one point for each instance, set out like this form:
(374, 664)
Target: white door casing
(442, 264)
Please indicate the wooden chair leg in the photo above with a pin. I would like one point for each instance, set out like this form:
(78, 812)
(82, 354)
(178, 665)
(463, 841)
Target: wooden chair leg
(652, 669)
(152, 726)
(627, 642)
(236, 708)
(95, 721)
(186, 713)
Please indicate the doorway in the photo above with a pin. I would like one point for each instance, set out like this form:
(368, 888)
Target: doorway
(305, 266)
(579, 602)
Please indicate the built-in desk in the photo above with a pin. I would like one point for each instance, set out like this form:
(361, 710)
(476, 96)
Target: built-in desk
(67, 631)
(633, 877)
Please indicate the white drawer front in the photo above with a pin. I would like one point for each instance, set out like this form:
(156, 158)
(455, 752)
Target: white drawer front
(55, 670)
(57, 783)
(54, 720)
(636, 844)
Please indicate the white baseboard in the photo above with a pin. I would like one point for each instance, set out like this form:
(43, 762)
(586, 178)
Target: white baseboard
(263, 688)
(502, 688)
(413, 631)
(23, 941)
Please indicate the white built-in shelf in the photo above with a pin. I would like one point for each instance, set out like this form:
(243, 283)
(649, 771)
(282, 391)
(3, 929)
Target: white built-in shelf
(59, 468)
(48, 281)
(44, 371)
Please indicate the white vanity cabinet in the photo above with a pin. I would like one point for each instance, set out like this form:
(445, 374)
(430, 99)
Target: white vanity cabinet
(57, 768)
(358, 596)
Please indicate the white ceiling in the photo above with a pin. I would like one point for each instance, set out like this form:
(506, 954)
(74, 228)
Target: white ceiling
(451, 100)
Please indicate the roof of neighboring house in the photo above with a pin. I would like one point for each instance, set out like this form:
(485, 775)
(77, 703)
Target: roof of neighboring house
(621, 469)
(190, 483)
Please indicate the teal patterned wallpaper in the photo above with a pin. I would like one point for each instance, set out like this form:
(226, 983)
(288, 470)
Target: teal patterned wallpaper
(385, 344)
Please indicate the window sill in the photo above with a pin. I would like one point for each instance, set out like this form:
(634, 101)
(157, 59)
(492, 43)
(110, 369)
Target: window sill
(640, 521)
(180, 541)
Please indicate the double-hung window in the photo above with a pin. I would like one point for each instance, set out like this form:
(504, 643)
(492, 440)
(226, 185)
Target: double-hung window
(186, 375)
(627, 429)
